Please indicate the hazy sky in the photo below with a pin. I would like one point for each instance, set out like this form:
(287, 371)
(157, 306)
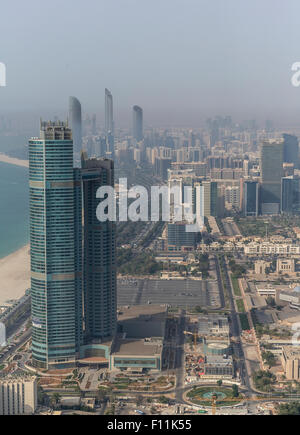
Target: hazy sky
(175, 58)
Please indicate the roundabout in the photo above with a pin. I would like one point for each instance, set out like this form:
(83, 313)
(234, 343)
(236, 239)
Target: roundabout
(206, 396)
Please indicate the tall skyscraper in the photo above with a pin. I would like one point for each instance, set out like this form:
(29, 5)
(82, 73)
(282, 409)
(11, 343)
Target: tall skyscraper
(75, 117)
(271, 167)
(109, 123)
(55, 338)
(73, 274)
(291, 150)
(250, 201)
(100, 295)
(109, 112)
(137, 123)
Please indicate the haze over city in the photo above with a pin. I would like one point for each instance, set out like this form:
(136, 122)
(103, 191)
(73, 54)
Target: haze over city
(181, 61)
(150, 210)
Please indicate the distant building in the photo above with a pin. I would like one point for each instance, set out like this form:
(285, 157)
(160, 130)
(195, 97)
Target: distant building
(109, 125)
(290, 194)
(180, 239)
(291, 150)
(18, 396)
(267, 248)
(250, 198)
(75, 117)
(137, 123)
(161, 166)
(271, 166)
(232, 196)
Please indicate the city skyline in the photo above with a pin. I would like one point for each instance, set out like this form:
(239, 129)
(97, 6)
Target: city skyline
(261, 60)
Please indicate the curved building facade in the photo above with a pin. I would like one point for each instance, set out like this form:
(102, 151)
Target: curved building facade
(56, 307)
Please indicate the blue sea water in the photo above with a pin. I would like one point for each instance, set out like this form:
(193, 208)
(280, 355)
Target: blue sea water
(14, 208)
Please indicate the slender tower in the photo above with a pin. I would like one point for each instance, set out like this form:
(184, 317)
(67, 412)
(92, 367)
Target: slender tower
(55, 268)
(75, 117)
(100, 293)
(137, 123)
(109, 124)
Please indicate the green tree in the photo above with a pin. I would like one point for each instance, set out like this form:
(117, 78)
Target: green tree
(235, 390)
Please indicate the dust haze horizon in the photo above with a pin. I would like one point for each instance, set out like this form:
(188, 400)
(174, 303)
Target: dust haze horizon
(181, 60)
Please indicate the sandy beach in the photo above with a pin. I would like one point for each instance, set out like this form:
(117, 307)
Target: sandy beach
(14, 275)
(18, 162)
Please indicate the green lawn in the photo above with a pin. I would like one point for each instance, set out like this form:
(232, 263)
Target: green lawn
(244, 322)
(236, 287)
(240, 306)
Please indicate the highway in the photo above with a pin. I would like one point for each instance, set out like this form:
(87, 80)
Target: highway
(235, 326)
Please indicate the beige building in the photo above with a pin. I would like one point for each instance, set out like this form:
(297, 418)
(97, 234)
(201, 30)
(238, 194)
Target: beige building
(261, 266)
(290, 362)
(285, 266)
(18, 395)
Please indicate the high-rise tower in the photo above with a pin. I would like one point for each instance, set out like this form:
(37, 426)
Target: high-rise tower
(100, 296)
(75, 117)
(271, 167)
(109, 125)
(55, 269)
(137, 123)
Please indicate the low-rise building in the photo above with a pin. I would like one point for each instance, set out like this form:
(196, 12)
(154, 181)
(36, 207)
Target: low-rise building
(140, 338)
(18, 395)
(217, 366)
(291, 362)
(260, 267)
(285, 266)
(213, 325)
(271, 249)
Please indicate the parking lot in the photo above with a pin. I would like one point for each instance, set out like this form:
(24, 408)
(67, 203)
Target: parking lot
(177, 293)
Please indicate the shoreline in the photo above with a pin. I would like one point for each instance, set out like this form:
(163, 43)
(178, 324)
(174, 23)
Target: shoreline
(14, 274)
(13, 161)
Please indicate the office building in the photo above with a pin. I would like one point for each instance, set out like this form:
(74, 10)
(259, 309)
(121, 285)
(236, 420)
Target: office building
(137, 123)
(109, 125)
(250, 198)
(55, 339)
(73, 275)
(109, 113)
(75, 117)
(18, 395)
(271, 166)
(290, 195)
(180, 238)
(291, 362)
(99, 254)
(161, 167)
(291, 150)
